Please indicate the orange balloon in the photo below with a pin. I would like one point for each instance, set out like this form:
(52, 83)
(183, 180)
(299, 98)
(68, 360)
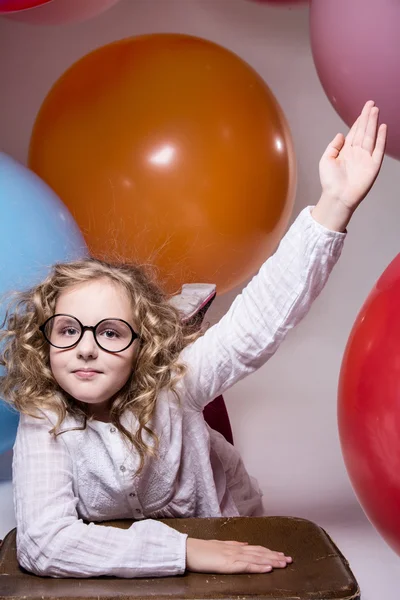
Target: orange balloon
(172, 150)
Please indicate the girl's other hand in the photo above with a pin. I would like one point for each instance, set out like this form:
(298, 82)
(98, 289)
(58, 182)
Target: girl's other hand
(215, 556)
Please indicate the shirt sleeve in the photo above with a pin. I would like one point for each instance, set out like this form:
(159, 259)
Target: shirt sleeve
(275, 300)
(53, 541)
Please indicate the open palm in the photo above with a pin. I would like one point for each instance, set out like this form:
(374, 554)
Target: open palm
(349, 166)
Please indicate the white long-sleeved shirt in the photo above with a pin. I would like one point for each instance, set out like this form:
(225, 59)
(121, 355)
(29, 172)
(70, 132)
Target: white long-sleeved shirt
(63, 486)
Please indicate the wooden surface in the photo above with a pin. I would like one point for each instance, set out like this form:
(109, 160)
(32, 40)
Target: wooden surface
(319, 570)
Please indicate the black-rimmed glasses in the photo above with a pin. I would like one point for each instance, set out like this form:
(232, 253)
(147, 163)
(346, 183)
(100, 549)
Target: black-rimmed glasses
(65, 331)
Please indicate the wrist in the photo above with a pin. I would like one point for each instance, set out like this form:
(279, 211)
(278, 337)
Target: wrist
(190, 548)
(332, 213)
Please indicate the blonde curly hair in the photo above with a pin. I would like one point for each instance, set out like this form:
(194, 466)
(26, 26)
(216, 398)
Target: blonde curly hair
(28, 383)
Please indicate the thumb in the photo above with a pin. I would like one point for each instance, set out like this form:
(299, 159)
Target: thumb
(335, 146)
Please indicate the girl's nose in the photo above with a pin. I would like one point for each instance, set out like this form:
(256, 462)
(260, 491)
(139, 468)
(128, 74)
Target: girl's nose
(87, 347)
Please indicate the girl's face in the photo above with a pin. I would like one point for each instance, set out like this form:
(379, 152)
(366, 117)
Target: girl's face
(86, 372)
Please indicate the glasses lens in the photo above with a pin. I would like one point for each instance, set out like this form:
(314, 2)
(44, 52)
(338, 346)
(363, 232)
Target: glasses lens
(62, 331)
(113, 335)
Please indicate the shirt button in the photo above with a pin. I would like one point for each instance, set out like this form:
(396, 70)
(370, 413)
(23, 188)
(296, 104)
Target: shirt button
(138, 510)
(122, 468)
(112, 429)
(132, 495)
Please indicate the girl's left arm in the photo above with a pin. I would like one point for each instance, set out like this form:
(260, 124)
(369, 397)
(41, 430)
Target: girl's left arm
(274, 301)
(280, 295)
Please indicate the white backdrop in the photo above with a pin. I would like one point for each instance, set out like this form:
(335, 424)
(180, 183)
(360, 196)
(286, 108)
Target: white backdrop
(284, 416)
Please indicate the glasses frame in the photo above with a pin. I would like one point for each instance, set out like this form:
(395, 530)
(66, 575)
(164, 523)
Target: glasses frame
(84, 328)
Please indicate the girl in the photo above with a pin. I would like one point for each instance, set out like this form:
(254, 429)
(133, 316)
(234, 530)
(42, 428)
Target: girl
(111, 387)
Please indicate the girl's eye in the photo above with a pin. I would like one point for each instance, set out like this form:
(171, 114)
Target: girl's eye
(110, 334)
(69, 331)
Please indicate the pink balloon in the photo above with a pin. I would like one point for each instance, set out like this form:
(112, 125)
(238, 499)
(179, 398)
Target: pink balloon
(356, 49)
(59, 12)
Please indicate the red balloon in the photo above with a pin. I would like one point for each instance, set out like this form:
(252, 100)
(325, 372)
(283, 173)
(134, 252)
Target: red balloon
(61, 12)
(369, 405)
(282, 2)
(11, 6)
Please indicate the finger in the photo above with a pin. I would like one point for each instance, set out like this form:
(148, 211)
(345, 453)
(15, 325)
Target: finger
(379, 151)
(334, 148)
(288, 559)
(265, 551)
(277, 563)
(244, 567)
(256, 559)
(352, 133)
(362, 124)
(369, 140)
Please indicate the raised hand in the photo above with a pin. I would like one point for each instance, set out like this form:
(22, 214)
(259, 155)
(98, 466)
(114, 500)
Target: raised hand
(349, 167)
(215, 556)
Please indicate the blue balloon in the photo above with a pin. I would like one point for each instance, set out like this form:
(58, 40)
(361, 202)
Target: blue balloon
(9, 418)
(37, 230)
